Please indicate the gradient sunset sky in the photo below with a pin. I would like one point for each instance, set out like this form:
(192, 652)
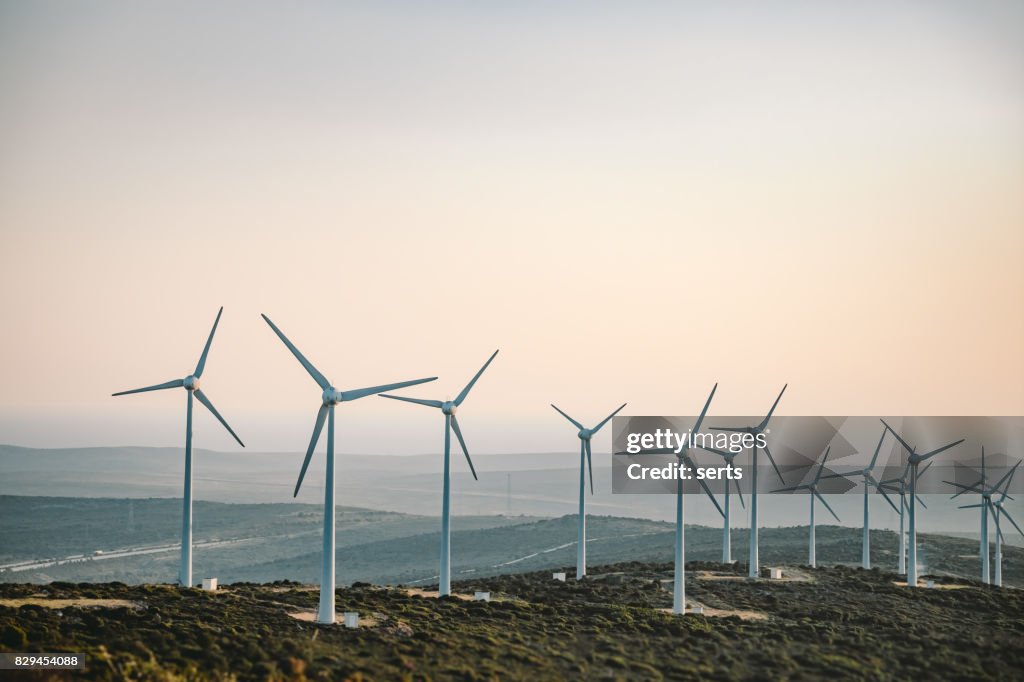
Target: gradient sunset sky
(631, 200)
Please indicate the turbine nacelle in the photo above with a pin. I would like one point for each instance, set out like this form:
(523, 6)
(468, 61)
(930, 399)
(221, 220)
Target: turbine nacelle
(332, 396)
(449, 407)
(585, 434)
(190, 383)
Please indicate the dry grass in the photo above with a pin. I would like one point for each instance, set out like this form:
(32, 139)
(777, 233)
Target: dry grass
(68, 603)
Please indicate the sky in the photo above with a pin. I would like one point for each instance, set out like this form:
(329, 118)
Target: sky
(632, 201)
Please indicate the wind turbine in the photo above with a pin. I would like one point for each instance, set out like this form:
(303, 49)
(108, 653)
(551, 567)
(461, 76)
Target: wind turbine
(986, 505)
(913, 460)
(728, 456)
(585, 435)
(679, 575)
(986, 494)
(755, 431)
(191, 386)
(330, 397)
(998, 511)
(869, 480)
(901, 486)
(812, 488)
(448, 408)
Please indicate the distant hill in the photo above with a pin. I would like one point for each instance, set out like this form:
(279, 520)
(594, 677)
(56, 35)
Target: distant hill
(139, 541)
(537, 485)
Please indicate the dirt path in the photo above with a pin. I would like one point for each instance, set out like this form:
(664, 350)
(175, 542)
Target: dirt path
(67, 603)
(723, 613)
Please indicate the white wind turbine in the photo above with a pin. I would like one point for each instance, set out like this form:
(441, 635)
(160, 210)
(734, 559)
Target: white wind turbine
(451, 423)
(191, 386)
(987, 506)
(754, 432)
(585, 435)
(812, 488)
(914, 459)
(869, 480)
(685, 460)
(330, 397)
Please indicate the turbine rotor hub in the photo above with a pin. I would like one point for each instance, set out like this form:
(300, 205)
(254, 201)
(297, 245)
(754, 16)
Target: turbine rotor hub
(332, 396)
(448, 407)
(191, 383)
(585, 434)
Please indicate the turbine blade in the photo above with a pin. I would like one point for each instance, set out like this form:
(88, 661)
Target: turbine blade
(822, 500)
(201, 397)
(1006, 490)
(878, 486)
(206, 349)
(821, 467)
(313, 372)
(967, 488)
(358, 393)
(469, 386)
(970, 506)
(898, 437)
(920, 501)
(775, 466)
(878, 449)
(605, 420)
(574, 422)
(462, 442)
(590, 465)
(703, 413)
(792, 488)
(964, 488)
(177, 383)
(740, 493)
(927, 455)
(1007, 515)
(764, 422)
(731, 429)
(1008, 475)
(837, 475)
(321, 416)
(418, 401)
(711, 496)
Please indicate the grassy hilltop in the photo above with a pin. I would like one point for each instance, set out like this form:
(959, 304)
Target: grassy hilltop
(835, 622)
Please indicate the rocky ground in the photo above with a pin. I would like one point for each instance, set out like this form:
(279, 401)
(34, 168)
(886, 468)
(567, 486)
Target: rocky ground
(830, 622)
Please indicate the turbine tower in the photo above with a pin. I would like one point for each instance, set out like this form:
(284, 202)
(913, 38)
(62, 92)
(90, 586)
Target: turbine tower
(998, 511)
(869, 480)
(448, 408)
(755, 431)
(728, 456)
(585, 435)
(812, 488)
(679, 573)
(914, 459)
(330, 397)
(901, 486)
(986, 505)
(191, 386)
